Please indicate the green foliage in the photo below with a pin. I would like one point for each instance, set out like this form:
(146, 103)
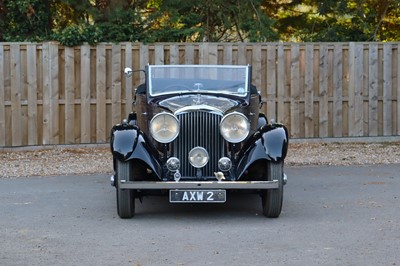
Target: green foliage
(77, 34)
(119, 27)
(339, 20)
(25, 20)
(73, 22)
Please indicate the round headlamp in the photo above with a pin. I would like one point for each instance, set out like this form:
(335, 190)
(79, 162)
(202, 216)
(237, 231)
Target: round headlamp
(198, 157)
(234, 127)
(164, 127)
(224, 164)
(173, 164)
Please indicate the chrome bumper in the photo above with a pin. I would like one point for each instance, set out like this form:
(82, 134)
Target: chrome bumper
(200, 184)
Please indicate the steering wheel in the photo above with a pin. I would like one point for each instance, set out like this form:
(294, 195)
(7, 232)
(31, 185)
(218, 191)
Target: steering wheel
(177, 87)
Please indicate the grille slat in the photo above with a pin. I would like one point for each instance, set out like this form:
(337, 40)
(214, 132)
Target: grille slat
(199, 128)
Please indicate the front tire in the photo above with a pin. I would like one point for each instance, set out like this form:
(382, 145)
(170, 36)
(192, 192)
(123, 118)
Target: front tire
(125, 197)
(272, 198)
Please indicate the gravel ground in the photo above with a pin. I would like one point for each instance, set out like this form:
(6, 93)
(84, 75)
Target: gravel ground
(64, 160)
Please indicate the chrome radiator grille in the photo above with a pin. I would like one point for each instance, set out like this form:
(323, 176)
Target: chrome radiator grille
(199, 128)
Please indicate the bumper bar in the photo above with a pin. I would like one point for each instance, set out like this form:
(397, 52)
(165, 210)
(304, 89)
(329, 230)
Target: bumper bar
(201, 185)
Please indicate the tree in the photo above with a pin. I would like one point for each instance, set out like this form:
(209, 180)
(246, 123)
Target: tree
(25, 20)
(332, 20)
(211, 20)
(73, 22)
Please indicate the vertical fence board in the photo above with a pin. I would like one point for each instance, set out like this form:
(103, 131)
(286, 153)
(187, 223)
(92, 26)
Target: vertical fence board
(309, 92)
(189, 54)
(46, 96)
(212, 54)
(50, 94)
(128, 81)
(85, 94)
(159, 54)
(16, 111)
(69, 95)
(280, 83)
(144, 60)
(387, 89)
(32, 95)
(355, 123)
(323, 91)
(203, 53)
(174, 54)
(227, 54)
(101, 93)
(337, 91)
(352, 81)
(373, 90)
(398, 90)
(241, 60)
(271, 82)
(256, 67)
(295, 91)
(116, 106)
(358, 91)
(54, 94)
(2, 105)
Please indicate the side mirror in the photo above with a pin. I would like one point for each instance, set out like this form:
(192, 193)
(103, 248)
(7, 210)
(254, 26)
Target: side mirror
(128, 72)
(261, 102)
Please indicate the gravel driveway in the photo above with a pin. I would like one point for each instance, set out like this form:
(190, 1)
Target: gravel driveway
(80, 160)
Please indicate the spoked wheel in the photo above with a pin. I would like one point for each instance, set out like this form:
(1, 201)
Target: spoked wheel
(272, 198)
(125, 197)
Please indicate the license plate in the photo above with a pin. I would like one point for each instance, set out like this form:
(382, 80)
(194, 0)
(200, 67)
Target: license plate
(193, 196)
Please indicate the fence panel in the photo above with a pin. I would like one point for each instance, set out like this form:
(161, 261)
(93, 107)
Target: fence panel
(50, 94)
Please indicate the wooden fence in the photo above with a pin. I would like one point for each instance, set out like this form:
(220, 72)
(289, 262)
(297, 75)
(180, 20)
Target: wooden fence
(50, 94)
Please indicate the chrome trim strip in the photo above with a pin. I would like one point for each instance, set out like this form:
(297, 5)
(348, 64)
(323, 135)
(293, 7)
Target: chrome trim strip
(201, 107)
(201, 185)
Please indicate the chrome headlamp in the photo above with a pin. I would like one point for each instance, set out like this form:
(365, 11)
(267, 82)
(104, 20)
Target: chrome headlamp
(198, 157)
(234, 127)
(164, 127)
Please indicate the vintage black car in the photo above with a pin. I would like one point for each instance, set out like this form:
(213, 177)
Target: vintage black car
(197, 135)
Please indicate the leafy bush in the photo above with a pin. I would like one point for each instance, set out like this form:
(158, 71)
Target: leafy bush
(74, 35)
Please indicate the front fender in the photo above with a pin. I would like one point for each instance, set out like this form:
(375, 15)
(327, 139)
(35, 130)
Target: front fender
(270, 143)
(128, 143)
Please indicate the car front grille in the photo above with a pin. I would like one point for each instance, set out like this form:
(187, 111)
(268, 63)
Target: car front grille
(199, 128)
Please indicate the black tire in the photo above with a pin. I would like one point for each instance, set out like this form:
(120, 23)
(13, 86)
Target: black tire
(125, 197)
(272, 198)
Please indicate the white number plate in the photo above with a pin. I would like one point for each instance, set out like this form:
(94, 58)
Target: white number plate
(192, 196)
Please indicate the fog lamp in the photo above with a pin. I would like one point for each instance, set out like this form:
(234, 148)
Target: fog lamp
(173, 164)
(198, 157)
(224, 164)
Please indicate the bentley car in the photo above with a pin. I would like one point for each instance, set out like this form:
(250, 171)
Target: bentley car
(196, 136)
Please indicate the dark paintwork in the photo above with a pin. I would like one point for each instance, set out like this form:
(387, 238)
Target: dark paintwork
(132, 141)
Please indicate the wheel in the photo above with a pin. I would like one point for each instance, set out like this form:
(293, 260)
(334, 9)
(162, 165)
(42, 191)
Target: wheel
(272, 198)
(125, 197)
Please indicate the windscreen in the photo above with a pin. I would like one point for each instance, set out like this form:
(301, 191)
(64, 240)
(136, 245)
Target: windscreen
(218, 79)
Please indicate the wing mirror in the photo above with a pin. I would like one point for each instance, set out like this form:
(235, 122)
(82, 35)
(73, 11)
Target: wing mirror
(128, 72)
(261, 102)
